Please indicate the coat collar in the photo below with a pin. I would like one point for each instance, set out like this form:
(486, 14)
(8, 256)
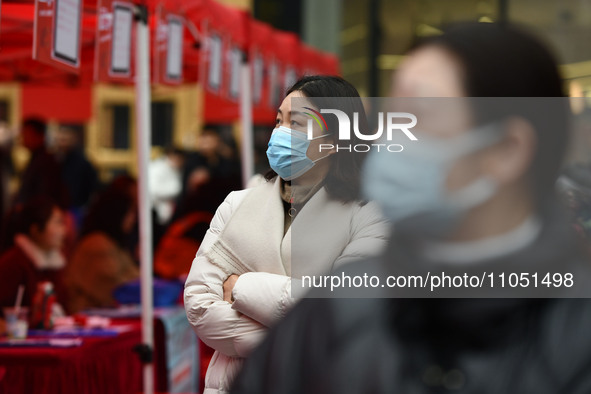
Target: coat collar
(42, 260)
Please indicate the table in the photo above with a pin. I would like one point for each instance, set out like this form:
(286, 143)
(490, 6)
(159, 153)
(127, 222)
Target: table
(98, 366)
(108, 365)
(176, 349)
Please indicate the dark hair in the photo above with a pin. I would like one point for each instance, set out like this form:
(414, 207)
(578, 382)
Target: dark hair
(342, 180)
(506, 61)
(36, 211)
(107, 212)
(500, 60)
(36, 124)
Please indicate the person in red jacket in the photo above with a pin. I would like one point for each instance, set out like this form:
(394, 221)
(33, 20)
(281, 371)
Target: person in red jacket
(35, 237)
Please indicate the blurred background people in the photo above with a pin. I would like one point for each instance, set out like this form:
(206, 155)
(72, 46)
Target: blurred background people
(165, 183)
(7, 136)
(78, 174)
(213, 158)
(176, 249)
(103, 259)
(42, 175)
(33, 239)
(494, 209)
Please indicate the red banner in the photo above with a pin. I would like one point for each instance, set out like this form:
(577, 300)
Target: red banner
(169, 47)
(260, 57)
(115, 39)
(57, 36)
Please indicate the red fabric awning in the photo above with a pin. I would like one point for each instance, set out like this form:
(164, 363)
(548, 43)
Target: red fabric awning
(261, 54)
(69, 105)
(66, 96)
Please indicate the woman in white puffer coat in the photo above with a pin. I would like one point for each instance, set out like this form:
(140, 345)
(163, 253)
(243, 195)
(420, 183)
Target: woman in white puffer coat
(305, 219)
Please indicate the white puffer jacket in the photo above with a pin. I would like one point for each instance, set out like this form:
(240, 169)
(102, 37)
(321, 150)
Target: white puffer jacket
(341, 233)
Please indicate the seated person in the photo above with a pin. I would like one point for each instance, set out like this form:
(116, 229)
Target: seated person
(101, 261)
(36, 233)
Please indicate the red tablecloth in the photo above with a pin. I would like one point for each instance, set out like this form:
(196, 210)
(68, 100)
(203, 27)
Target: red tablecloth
(98, 366)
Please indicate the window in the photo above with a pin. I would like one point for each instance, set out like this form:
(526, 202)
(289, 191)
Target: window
(162, 123)
(115, 134)
(4, 111)
(121, 127)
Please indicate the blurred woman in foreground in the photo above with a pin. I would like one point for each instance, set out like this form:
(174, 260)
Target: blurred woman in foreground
(474, 196)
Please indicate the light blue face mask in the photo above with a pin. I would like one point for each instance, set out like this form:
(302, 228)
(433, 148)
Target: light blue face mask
(287, 152)
(410, 185)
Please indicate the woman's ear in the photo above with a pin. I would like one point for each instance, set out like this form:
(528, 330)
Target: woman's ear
(511, 158)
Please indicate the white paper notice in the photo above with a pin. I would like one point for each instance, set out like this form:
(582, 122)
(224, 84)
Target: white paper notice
(67, 30)
(257, 78)
(121, 43)
(274, 85)
(215, 62)
(235, 60)
(174, 56)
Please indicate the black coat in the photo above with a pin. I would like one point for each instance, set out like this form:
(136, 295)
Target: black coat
(79, 176)
(419, 345)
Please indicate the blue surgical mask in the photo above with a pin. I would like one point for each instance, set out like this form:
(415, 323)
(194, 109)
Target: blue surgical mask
(287, 152)
(410, 185)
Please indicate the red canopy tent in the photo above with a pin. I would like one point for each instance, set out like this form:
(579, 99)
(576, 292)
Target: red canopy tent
(41, 84)
(261, 55)
(54, 93)
(224, 33)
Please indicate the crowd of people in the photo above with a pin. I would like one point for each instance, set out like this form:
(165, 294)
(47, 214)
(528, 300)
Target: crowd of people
(65, 226)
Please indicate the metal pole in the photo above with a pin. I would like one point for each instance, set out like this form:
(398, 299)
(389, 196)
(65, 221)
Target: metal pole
(247, 145)
(143, 119)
